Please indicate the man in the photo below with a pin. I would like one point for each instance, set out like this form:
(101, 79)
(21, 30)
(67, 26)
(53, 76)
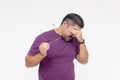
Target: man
(56, 49)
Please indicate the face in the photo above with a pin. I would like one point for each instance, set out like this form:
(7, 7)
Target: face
(67, 34)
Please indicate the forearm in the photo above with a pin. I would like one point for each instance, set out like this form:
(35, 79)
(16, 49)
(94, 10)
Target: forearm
(82, 57)
(31, 61)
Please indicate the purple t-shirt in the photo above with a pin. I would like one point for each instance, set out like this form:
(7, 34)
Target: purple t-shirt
(58, 64)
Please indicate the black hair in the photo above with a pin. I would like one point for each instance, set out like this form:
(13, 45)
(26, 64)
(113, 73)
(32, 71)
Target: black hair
(73, 19)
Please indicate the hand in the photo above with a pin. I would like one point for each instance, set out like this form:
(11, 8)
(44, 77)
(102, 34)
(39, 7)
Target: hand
(77, 33)
(43, 48)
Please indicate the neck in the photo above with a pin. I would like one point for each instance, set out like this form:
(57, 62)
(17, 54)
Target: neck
(59, 31)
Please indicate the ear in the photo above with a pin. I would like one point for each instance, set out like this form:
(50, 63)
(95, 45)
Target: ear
(65, 23)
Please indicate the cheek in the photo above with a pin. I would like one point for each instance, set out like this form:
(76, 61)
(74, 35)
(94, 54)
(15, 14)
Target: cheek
(67, 33)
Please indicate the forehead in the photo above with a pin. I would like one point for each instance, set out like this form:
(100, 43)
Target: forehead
(75, 27)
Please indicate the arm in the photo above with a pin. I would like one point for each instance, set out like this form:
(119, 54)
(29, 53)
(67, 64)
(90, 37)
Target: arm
(31, 61)
(82, 57)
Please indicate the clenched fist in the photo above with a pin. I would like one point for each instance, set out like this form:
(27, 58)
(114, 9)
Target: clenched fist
(43, 48)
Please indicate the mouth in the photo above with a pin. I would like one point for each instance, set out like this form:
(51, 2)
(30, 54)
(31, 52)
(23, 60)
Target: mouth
(70, 37)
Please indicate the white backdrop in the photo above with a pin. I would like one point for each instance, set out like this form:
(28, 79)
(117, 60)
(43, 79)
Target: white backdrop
(22, 20)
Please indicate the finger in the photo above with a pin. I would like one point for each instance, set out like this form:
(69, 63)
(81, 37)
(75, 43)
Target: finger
(76, 28)
(73, 31)
(47, 45)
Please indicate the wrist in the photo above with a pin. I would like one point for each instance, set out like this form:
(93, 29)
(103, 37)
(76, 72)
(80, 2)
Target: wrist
(43, 55)
(82, 41)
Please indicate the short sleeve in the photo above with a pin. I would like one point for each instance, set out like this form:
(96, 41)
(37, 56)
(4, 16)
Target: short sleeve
(34, 49)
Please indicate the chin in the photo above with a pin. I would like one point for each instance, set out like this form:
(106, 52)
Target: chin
(69, 39)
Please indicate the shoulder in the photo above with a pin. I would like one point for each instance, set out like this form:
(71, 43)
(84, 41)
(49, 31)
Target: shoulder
(45, 35)
(75, 40)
